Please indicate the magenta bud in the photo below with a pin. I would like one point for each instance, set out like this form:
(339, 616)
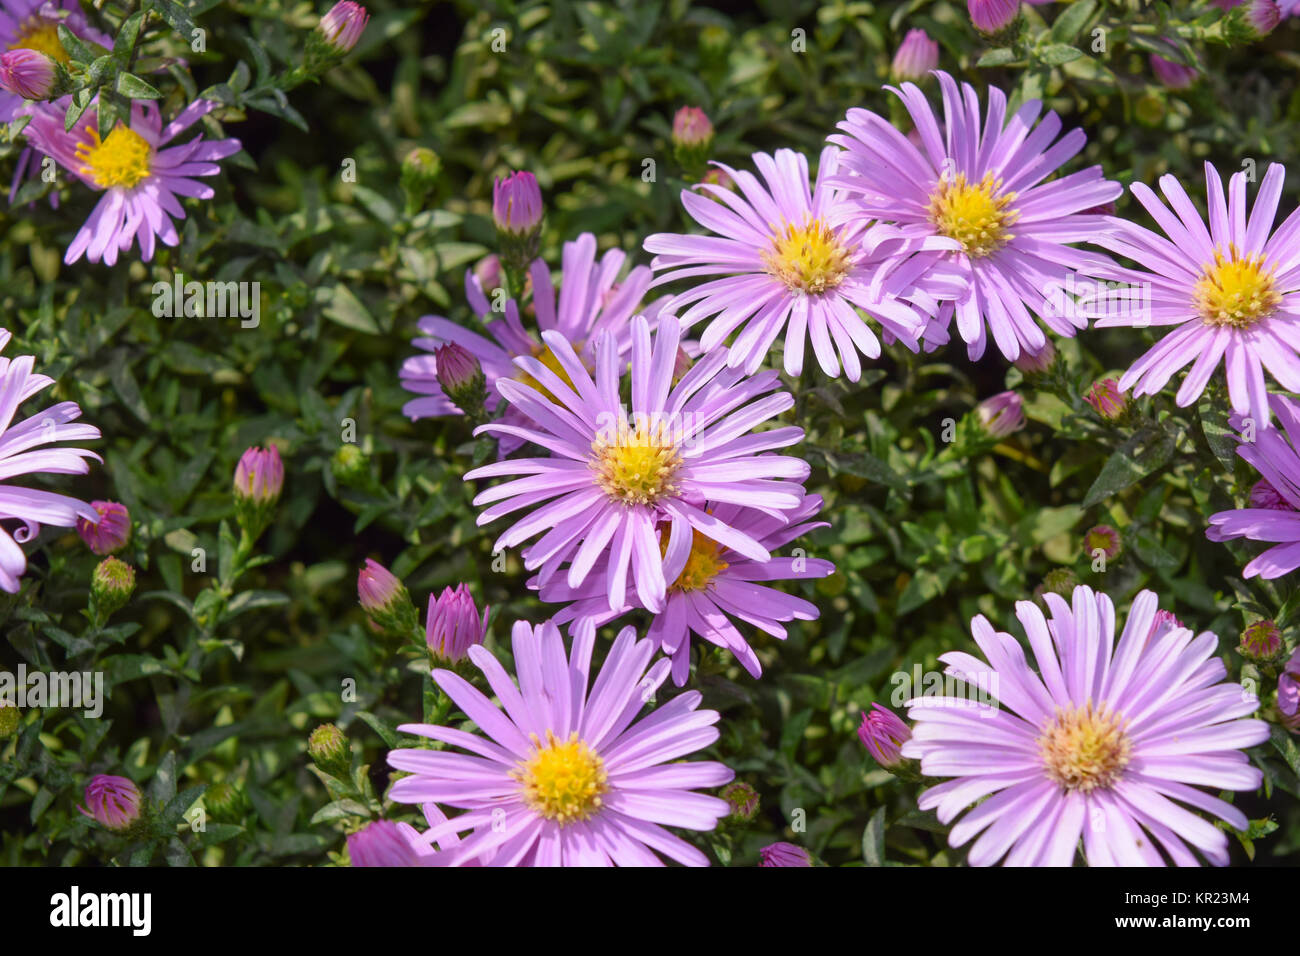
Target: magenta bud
(111, 533)
(1261, 641)
(691, 128)
(517, 204)
(992, 16)
(1107, 400)
(883, 733)
(453, 625)
(114, 802)
(1102, 539)
(29, 74)
(1174, 76)
(784, 854)
(1036, 363)
(1001, 415)
(259, 476)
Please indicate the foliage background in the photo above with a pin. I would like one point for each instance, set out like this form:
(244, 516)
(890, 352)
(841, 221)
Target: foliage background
(582, 95)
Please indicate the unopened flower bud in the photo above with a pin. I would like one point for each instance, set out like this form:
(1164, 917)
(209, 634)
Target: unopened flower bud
(453, 625)
(1033, 364)
(328, 748)
(110, 587)
(883, 733)
(917, 55)
(1060, 581)
(419, 175)
(386, 600)
(349, 464)
(113, 802)
(259, 479)
(1265, 496)
(1001, 415)
(111, 533)
(226, 803)
(31, 74)
(743, 799)
(517, 212)
(1251, 21)
(1261, 641)
(692, 136)
(993, 18)
(1102, 539)
(461, 377)
(1107, 400)
(784, 854)
(343, 25)
(1174, 76)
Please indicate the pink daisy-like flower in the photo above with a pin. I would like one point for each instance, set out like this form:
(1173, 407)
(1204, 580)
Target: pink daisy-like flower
(711, 584)
(385, 843)
(21, 454)
(563, 776)
(591, 301)
(976, 198)
(1274, 515)
(1232, 290)
(615, 476)
(139, 174)
(787, 266)
(1100, 742)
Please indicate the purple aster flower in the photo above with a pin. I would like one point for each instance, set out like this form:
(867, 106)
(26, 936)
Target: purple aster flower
(561, 776)
(711, 585)
(974, 198)
(917, 55)
(21, 454)
(883, 734)
(616, 475)
(1274, 515)
(113, 802)
(1099, 743)
(786, 266)
(1233, 291)
(111, 532)
(784, 854)
(385, 843)
(453, 625)
(139, 174)
(1288, 687)
(591, 301)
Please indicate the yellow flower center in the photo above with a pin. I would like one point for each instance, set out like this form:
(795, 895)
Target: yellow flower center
(808, 258)
(544, 355)
(42, 35)
(562, 780)
(702, 565)
(636, 466)
(1084, 749)
(1236, 290)
(975, 214)
(120, 160)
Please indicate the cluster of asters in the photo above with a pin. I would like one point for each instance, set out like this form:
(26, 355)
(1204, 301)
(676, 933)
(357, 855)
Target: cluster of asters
(646, 476)
(652, 479)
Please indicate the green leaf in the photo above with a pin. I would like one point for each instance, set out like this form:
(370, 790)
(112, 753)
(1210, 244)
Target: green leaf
(127, 36)
(873, 840)
(347, 310)
(1072, 20)
(1134, 460)
(997, 57)
(1059, 53)
(134, 88)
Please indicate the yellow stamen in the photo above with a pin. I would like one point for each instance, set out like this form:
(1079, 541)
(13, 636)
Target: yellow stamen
(1236, 290)
(563, 780)
(122, 159)
(975, 214)
(1085, 748)
(807, 258)
(702, 564)
(42, 35)
(636, 466)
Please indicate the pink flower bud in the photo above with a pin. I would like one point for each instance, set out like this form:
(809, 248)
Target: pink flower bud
(1102, 538)
(28, 73)
(111, 533)
(517, 204)
(377, 587)
(691, 128)
(1261, 641)
(259, 476)
(917, 55)
(1175, 76)
(1107, 400)
(1002, 414)
(112, 801)
(992, 16)
(883, 733)
(1036, 363)
(343, 25)
(453, 624)
(784, 854)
